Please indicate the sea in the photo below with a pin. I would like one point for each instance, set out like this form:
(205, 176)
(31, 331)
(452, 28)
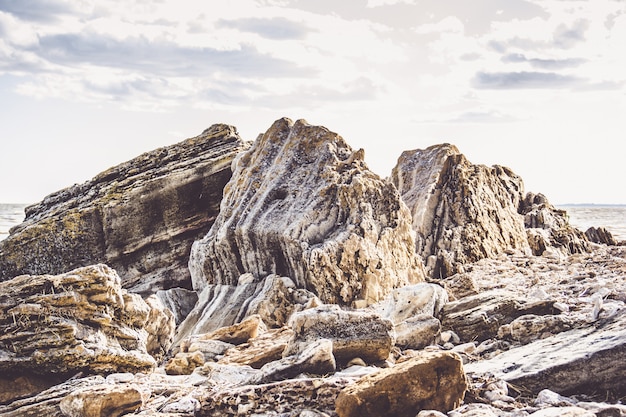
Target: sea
(582, 216)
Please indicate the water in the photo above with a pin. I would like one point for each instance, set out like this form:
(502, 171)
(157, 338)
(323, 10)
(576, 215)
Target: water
(613, 218)
(10, 215)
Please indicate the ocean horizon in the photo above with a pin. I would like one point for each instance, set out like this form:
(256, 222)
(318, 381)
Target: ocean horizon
(581, 215)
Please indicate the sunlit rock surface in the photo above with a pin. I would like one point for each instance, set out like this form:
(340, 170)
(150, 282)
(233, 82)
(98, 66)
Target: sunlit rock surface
(302, 204)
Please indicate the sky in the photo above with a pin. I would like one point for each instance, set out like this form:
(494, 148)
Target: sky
(538, 86)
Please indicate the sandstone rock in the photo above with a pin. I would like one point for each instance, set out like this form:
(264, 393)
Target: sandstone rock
(586, 359)
(139, 217)
(260, 350)
(288, 397)
(301, 203)
(432, 381)
(460, 285)
(417, 332)
(102, 401)
(353, 333)
(563, 412)
(554, 228)
(211, 349)
(600, 235)
(316, 358)
(412, 300)
(78, 321)
(461, 212)
(13, 387)
(184, 363)
(531, 327)
(273, 299)
(479, 317)
(238, 333)
(46, 403)
(160, 325)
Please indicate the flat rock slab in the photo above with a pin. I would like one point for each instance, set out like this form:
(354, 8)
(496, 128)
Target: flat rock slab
(430, 381)
(585, 360)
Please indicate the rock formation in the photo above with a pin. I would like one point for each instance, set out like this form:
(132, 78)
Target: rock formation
(464, 212)
(80, 321)
(139, 217)
(461, 212)
(307, 298)
(302, 204)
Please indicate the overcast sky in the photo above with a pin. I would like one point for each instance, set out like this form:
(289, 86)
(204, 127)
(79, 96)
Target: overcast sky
(535, 85)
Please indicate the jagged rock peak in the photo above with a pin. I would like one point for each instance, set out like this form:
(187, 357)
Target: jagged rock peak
(461, 212)
(303, 204)
(139, 217)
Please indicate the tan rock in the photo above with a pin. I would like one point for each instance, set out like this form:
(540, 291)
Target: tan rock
(302, 204)
(431, 381)
(353, 333)
(102, 401)
(260, 350)
(413, 300)
(81, 321)
(238, 333)
(417, 332)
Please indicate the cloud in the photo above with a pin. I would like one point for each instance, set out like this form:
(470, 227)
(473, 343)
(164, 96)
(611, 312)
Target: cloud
(276, 28)
(567, 36)
(523, 80)
(162, 57)
(548, 64)
(36, 10)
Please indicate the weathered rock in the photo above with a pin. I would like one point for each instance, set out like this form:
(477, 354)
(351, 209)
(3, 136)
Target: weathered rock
(160, 326)
(46, 403)
(412, 300)
(105, 400)
(301, 203)
(600, 235)
(287, 397)
(273, 299)
(552, 228)
(353, 333)
(461, 212)
(479, 317)
(79, 321)
(417, 332)
(211, 349)
(588, 359)
(180, 301)
(316, 358)
(431, 381)
(238, 333)
(184, 363)
(139, 217)
(260, 350)
(525, 329)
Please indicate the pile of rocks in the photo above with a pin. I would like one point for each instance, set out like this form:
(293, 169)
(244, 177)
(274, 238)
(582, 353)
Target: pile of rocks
(317, 289)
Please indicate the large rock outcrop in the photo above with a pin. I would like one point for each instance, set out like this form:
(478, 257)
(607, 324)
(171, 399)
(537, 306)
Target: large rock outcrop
(80, 321)
(139, 217)
(461, 212)
(302, 204)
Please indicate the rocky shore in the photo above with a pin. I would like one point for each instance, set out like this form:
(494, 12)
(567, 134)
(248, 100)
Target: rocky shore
(219, 277)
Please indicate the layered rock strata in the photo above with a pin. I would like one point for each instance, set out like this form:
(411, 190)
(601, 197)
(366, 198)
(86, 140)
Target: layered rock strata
(461, 212)
(139, 217)
(81, 321)
(301, 203)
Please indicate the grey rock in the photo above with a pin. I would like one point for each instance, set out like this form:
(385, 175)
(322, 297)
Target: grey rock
(180, 301)
(600, 235)
(302, 204)
(139, 217)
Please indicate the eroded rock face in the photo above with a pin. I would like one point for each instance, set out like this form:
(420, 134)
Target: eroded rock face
(81, 321)
(461, 212)
(139, 217)
(301, 203)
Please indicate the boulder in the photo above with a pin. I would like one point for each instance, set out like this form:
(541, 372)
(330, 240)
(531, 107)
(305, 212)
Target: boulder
(549, 227)
(600, 235)
(589, 359)
(479, 317)
(461, 212)
(104, 400)
(430, 381)
(80, 321)
(139, 217)
(353, 333)
(413, 300)
(302, 204)
(417, 332)
(260, 350)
